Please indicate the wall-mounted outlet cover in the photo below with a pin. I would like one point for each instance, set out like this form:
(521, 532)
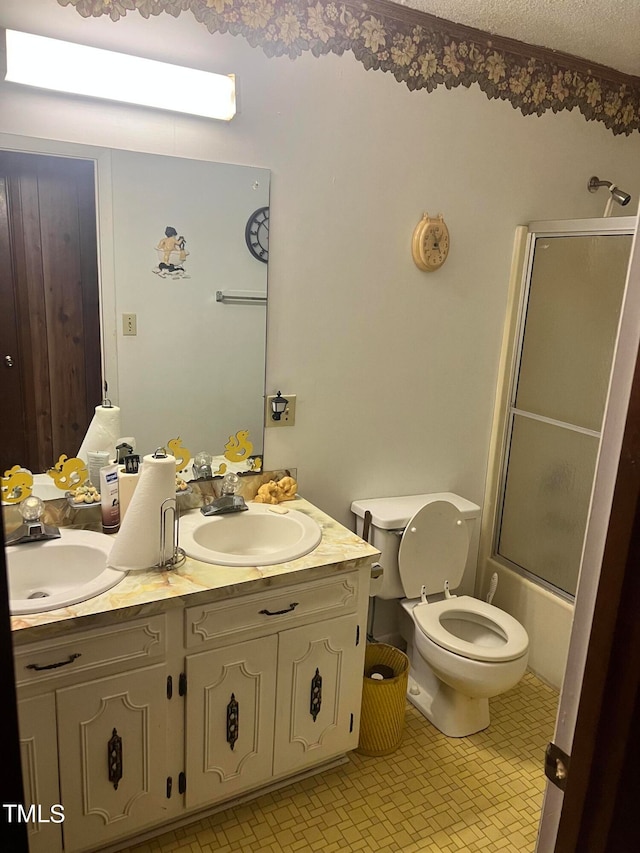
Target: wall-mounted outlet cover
(129, 324)
(287, 418)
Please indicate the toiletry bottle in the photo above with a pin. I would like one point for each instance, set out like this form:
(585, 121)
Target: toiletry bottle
(128, 478)
(109, 498)
(97, 459)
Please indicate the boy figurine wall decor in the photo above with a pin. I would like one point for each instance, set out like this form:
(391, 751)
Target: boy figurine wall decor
(172, 255)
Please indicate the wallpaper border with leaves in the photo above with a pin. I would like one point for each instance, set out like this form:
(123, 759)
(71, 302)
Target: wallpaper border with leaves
(420, 50)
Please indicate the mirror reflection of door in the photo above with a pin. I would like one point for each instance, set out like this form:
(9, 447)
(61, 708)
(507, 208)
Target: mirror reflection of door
(50, 370)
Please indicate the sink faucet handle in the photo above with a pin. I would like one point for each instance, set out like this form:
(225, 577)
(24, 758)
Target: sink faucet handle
(230, 484)
(32, 508)
(33, 529)
(228, 501)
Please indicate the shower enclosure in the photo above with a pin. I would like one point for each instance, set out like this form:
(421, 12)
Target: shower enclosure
(567, 298)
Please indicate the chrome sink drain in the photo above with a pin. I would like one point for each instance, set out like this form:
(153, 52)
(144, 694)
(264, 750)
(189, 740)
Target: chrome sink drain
(39, 595)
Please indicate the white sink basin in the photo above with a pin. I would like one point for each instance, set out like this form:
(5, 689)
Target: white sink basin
(59, 572)
(259, 536)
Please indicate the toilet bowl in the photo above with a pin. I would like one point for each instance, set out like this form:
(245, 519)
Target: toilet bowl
(474, 651)
(462, 651)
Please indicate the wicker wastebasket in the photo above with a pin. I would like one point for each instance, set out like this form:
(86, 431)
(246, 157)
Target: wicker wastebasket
(383, 701)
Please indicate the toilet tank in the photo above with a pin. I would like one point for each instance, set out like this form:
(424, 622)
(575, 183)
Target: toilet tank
(389, 517)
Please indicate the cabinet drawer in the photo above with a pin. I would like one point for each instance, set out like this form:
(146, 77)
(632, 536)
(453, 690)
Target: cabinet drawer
(272, 609)
(124, 647)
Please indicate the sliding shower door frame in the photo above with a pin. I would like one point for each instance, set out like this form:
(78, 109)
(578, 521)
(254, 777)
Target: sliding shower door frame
(505, 407)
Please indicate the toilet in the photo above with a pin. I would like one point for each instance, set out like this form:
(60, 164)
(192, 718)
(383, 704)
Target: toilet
(462, 651)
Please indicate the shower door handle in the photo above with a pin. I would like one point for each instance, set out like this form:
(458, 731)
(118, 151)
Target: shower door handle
(8, 361)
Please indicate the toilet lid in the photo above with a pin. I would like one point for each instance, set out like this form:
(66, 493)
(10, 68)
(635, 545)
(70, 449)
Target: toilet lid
(433, 549)
(502, 637)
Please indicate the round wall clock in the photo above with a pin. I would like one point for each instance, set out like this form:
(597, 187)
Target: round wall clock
(256, 234)
(430, 243)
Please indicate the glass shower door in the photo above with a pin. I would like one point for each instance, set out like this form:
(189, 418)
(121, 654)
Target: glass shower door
(567, 336)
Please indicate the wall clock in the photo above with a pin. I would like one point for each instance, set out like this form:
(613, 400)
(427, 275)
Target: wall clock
(430, 243)
(256, 234)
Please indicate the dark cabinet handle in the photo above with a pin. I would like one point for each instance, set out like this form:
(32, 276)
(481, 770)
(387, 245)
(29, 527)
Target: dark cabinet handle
(315, 702)
(39, 668)
(291, 607)
(114, 757)
(233, 721)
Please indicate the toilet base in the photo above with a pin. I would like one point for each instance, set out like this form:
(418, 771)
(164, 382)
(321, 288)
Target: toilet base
(452, 713)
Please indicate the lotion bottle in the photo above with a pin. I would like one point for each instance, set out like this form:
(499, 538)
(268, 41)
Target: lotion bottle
(109, 498)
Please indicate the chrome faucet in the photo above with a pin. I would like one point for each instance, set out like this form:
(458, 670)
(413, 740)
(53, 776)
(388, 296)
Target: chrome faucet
(33, 529)
(228, 501)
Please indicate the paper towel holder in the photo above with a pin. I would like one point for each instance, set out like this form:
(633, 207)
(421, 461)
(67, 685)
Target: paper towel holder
(106, 403)
(169, 515)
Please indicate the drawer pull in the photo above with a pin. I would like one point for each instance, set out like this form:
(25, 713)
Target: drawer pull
(39, 668)
(291, 607)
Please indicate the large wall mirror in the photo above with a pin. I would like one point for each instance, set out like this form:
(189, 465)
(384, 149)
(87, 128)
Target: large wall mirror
(132, 269)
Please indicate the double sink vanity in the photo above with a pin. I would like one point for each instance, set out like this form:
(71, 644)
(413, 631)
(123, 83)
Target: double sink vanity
(148, 697)
(167, 693)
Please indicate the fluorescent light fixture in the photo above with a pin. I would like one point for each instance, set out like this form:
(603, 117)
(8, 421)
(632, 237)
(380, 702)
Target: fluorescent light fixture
(80, 70)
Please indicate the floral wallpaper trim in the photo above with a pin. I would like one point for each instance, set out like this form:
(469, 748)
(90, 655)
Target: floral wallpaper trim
(420, 50)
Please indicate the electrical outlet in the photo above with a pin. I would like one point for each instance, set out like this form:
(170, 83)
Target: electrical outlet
(287, 418)
(129, 324)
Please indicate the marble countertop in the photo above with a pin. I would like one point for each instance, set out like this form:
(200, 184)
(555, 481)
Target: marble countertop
(153, 591)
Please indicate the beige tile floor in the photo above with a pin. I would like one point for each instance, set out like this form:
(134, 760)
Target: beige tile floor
(433, 795)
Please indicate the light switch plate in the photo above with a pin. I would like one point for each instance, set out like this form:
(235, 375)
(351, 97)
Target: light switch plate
(129, 324)
(288, 417)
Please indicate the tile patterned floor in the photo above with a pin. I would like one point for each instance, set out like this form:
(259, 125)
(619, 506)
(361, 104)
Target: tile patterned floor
(433, 795)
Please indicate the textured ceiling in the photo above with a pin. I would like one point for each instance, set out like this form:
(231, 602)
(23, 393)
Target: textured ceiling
(604, 31)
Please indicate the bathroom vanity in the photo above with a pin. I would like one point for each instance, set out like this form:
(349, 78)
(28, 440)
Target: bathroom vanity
(175, 692)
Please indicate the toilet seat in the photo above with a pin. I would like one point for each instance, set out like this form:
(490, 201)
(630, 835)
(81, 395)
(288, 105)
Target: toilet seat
(433, 549)
(501, 637)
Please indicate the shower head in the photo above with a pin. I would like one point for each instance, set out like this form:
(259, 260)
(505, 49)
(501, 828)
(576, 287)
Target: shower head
(616, 194)
(620, 196)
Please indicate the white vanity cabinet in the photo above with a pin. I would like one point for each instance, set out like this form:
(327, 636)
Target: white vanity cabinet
(112, 741)
(319, 687)
(39, 754)
(230, 708)
(146, 721)
(267, 708)
(96, 744)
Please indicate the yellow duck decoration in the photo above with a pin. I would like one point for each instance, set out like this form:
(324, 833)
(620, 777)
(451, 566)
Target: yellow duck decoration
(255, 464)
(274, 493)
(182, 455)
(238, 447)
(68, 473)
(17, 484)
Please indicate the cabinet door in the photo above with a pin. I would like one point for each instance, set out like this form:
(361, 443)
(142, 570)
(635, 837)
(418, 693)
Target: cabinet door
(39, 754)
(229, 720)
(112, 747)
(319, 693)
